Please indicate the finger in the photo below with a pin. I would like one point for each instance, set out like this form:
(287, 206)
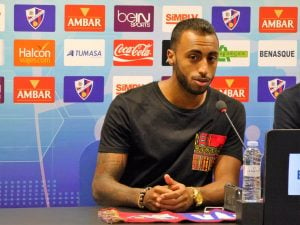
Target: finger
(169, 180)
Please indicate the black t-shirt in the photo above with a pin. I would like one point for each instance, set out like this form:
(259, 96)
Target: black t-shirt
(287, 109)
(161, 138)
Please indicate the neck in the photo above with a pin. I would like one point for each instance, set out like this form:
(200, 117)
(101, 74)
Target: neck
(178, 96)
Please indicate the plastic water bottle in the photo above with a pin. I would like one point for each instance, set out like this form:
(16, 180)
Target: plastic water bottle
(252, 173)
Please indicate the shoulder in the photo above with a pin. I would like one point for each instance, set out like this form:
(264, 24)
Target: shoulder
(290, 93)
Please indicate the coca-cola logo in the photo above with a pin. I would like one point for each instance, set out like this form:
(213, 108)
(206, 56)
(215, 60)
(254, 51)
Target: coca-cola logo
(133, 52)
(143, 50)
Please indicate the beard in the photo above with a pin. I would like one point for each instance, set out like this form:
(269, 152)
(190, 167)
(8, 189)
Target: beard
(195, 90)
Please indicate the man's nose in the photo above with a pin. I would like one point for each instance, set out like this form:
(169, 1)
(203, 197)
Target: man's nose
(203, 67)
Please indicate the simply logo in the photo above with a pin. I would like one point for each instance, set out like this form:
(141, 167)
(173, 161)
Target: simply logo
(34, 89)
(34, 18)
(278, 19)
(122, 84)
(277, 53)
(83, 89)
(133, 18)
(236, 87)
(34, 52)
(84, 52)
(1, 89)
(270, 87)
(231, 19)
(174, 14)
(2, 17)
(89, 18)
(133, 53)
(234, 53)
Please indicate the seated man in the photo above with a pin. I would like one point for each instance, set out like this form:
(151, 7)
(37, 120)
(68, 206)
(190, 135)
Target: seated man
(165, 146)
(287, 109)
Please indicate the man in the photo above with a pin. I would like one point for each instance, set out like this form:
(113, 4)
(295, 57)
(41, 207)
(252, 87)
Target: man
(287, 109)
(165, 146)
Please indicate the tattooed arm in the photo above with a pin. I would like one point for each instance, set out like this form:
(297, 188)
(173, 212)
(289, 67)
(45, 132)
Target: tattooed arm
(107, 190)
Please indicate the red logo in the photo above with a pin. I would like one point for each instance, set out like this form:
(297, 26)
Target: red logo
(278, 19)
(234, 87)
(133, 53)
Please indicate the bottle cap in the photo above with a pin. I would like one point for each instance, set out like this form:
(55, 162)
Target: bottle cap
(252, 143)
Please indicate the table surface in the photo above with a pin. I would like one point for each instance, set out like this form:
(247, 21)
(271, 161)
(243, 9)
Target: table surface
(61, 216)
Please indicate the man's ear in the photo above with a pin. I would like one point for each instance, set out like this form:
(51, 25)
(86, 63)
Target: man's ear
(170, 55)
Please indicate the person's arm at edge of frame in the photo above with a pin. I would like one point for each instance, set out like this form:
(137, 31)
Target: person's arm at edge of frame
(106, 188)
(227, 170)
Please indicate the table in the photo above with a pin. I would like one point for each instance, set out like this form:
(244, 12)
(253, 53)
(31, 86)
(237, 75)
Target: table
(62, 216)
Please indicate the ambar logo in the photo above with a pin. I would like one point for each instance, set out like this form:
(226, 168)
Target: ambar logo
(34, 89)
(235, 87)
(85, 18)
(34, 52)
(278, 19)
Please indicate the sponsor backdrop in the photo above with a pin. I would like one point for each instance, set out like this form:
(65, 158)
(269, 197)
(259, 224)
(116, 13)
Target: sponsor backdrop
(62, 62)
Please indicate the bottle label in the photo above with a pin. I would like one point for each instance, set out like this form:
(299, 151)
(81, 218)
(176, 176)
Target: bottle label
(251, 171)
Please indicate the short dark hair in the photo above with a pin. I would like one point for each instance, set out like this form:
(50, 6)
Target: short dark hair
(198, 25)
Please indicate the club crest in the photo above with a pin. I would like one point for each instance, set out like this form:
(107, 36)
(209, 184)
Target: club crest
(84, 88)
(231, 18)
(35, 17)
(276, 86)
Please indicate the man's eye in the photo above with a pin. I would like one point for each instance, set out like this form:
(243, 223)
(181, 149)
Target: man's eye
(194, 57)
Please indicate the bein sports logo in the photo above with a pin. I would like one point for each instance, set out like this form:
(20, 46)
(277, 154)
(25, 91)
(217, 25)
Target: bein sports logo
(133, 18)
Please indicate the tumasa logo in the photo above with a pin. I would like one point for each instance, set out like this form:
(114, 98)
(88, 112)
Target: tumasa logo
(84, 52)
(133, 18)
(89, 18)
(2, 17)
(83, 89)
(277, 53)
(270, 87)
(231, 19)
(34, 89)
(174, 14)
(133, 53)
(34, 52)
(278, 19)
(34, 18)
(122, 84)
(1, 89)
(234, 53)
(236, 87)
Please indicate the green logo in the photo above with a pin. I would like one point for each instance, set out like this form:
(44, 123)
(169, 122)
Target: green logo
(225, 55)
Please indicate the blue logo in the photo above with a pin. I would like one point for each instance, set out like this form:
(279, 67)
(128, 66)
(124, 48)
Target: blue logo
(83, 89)
(231, 19)
(298, 177)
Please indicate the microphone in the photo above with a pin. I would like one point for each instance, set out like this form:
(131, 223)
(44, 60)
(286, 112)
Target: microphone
(222, 107)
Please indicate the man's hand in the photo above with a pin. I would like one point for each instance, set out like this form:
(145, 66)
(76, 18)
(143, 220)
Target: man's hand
(178, 199)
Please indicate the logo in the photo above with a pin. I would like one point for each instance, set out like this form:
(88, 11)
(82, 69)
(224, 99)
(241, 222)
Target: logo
(1, 89)
(270, 87)
(84, 52)
(83, 89)
(174, 14)
(231, 19)
(34, 52)
(133, 53)
(1, 52)
(133, 18)
(277, 53)
(85, 18)
(165, 47)
(122, 84)
(234, 53)
(278, 19)
(34, 89)
(235, 87)
(34, 18)
(2, 17)
(294, 174)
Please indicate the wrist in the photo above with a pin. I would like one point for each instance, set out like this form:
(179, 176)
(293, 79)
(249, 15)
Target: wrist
(141, 197)
(197, 197)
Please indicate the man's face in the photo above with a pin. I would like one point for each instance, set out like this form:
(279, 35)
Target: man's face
(194, 61)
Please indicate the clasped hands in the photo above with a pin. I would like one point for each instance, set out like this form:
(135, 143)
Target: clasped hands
(173, 196)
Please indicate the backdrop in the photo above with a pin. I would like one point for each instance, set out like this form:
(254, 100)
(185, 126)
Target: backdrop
(62, 62)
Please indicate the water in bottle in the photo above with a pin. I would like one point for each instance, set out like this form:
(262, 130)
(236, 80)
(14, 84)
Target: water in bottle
(252, 173)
